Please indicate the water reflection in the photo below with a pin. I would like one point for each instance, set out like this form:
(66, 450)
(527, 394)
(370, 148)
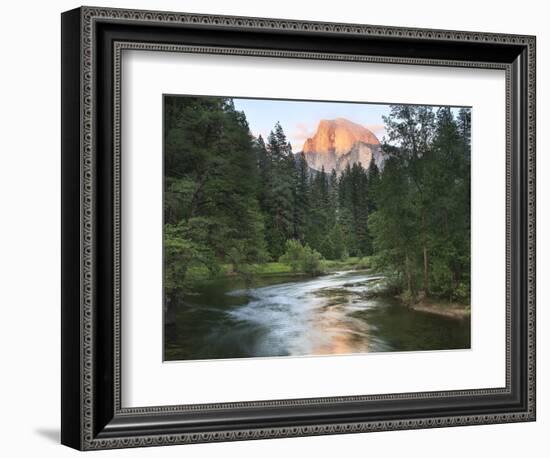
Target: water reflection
(332, 314)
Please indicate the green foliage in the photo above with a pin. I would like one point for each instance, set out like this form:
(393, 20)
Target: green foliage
(211, 176)
(302, 258)
(355, 205)
(278, 190)
(333, 245)
(293, 255)
(301, 198)
(311, 262)
(421, 221)
(325, 211)
(233, 202)
(461, 293)
(348, 263)
(183, 251)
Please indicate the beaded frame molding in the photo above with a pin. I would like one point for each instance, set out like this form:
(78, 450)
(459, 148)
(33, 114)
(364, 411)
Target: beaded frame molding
(93, 40)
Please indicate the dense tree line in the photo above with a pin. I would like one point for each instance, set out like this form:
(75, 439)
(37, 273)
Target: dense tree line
(233, 199)
(211, 211)
(323, 211)
(421, 227)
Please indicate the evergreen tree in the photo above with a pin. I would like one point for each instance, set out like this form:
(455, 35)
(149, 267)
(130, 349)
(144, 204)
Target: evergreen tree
(235, 200)
(464, 125)
(420, 219)
(279, 205)
(211, 175)
(301, 201)
(354, 209)
(449, 186)
(373, 174)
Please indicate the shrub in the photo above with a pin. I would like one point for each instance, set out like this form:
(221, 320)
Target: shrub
(461, 293)
(311, 261)
(302, 258)
(294, 253)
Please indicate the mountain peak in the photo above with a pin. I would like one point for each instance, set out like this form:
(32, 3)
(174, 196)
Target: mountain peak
(338, 136)
(340, 141)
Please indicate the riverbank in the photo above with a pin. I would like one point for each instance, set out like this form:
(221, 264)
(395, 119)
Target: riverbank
(447, 309)
(327, 266)
(427, 305)
(273, 269)
(377, 285)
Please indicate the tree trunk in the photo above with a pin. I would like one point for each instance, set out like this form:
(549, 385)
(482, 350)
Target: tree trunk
(425, 251)
(426, 278)
(408, 275)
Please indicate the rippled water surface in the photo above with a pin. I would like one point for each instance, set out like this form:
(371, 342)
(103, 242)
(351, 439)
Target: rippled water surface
(332, 314)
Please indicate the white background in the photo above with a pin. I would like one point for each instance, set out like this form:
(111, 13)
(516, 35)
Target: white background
(29, 242)
(146, 76)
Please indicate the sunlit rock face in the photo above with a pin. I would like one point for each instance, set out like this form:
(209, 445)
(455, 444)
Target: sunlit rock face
(339, 142)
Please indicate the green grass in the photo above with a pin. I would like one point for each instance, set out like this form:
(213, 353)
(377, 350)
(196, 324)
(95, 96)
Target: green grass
(199, 273)
(349, 263)
(274, 268)
(269, 268)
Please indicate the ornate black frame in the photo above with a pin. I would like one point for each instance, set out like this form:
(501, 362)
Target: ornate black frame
(92, 42)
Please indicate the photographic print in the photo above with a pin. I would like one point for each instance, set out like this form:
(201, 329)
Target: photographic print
(301, 228)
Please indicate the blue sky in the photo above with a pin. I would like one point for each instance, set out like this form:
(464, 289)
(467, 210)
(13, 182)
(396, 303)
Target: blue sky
(300, 118)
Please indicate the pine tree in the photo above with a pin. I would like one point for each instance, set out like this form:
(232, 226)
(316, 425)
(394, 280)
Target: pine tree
(301, 200)
(373, 174)
(420, 220)
(211, 175)
(464, 124)
(279, 204)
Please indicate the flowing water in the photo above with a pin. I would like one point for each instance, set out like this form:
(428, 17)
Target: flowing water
(331, 314)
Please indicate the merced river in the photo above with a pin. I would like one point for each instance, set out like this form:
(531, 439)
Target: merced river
(295, 316)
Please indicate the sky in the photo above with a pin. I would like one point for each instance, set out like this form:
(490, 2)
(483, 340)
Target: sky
(300, 119)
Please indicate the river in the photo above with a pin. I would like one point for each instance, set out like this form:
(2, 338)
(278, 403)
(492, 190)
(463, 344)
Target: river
(290, 316)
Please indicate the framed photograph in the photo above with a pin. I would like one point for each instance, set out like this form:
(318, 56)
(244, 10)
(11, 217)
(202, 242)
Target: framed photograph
(276, 228)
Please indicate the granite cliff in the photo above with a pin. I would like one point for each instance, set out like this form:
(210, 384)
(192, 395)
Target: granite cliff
(339, 142)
